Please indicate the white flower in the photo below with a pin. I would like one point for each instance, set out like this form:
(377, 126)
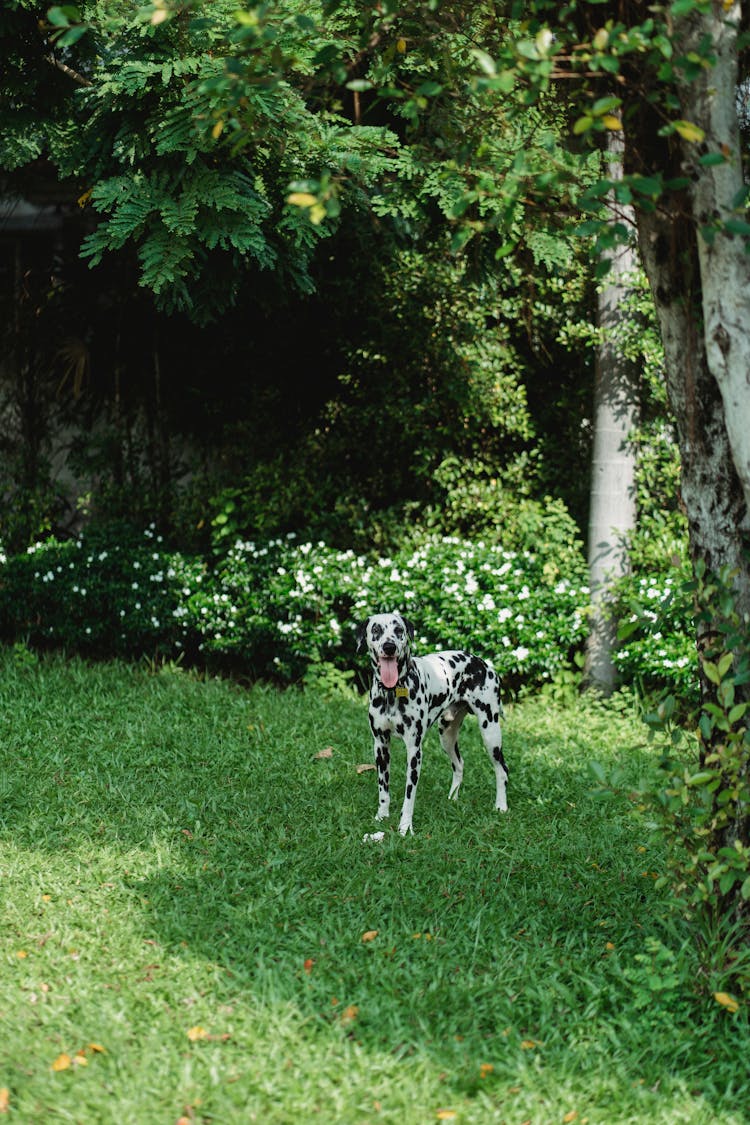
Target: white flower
(520, 653)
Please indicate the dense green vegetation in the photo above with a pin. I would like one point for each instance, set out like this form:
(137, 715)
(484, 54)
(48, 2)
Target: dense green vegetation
(193, 928)
(277, 608)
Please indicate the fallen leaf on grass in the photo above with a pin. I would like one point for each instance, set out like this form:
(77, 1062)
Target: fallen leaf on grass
(349, 1014)
(321, 754)
(446, 1115)
(308, 965)
(4, 1099)
(365, 767)
(529, 1044)
(200, 1035)
(485, 1069)
(570, 1117)
(80, 1058)
(369, 935)
(727, 1001)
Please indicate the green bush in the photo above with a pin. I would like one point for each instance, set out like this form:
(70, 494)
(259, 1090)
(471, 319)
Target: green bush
(282, 605)
(657, 634)
(276, 608)
(100, 596)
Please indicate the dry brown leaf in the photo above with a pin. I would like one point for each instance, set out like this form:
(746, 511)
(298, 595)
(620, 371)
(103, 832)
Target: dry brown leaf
(727, 1001)
(4, 1099)
(62, 1062)
(196, 1033)
(365, 767)
(349, 1014)
(369, 935)
(321, 754)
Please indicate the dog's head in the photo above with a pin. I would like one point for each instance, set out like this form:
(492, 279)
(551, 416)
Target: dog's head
(387, 637)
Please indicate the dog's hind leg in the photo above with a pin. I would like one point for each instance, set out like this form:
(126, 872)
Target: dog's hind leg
(448, 728)
(492, 736)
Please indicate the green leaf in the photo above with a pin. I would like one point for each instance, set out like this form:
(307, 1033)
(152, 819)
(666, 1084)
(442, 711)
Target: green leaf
(647, 185)
(486, 62)
(738, 226)
(701, 778)
(737, 712)
(709, 159)
(429, 89)
(605, 105)
(711, 672)
(683, 8)
(582, 125)
(63, 15)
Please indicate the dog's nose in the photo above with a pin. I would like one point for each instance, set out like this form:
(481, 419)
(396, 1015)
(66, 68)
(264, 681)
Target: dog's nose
(389, 648)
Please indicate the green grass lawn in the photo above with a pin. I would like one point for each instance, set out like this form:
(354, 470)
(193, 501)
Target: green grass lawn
(185, 890)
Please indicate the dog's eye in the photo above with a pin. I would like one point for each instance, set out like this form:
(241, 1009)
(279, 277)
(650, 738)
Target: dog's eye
(398, 631)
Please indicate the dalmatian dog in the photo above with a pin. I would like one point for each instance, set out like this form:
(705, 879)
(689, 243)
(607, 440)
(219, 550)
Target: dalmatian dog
(410, 693)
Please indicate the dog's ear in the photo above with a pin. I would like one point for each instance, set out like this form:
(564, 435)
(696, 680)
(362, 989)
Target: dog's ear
(361, 634)
(409, 627)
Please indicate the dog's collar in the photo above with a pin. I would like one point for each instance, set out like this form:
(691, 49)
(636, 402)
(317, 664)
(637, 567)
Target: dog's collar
(402, 691)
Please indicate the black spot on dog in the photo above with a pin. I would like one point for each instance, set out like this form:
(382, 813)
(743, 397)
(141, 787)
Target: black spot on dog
(497, 754)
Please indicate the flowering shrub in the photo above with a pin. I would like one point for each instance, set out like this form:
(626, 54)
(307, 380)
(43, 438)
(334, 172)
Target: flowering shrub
(277, 607)
(281, 605)
(657, 634)
(100, 597)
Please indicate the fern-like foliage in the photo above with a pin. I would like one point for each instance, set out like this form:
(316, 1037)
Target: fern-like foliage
(187, 138)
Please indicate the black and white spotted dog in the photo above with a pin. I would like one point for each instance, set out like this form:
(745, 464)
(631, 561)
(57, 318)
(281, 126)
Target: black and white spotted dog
(410, 693)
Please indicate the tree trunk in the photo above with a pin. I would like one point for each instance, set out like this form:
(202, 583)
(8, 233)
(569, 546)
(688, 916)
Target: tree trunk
(612, 512)
(719, 200)
(699, 274)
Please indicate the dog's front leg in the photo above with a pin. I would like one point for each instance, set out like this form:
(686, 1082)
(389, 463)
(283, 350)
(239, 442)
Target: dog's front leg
(383, 765)
(413, 766)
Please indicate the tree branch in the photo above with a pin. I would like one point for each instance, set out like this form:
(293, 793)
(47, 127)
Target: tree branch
(68, 71)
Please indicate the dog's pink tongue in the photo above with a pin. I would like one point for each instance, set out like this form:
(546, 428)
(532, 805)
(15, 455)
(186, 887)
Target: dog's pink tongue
(388, 671)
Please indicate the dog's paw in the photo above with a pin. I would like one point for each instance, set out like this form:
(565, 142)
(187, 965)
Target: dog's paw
(405, 829)
(382, 814)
